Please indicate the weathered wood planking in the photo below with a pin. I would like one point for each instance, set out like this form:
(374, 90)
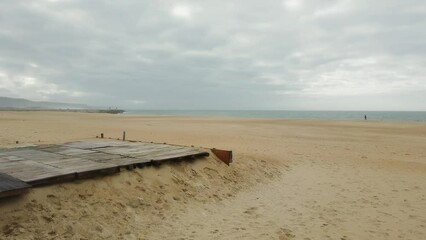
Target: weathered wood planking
(75, 152)
(39, 166)
(34, 172)
(90, 144)
(52, 163)
(146, 153)
(81, 166)
(10, 186)
(135, 150)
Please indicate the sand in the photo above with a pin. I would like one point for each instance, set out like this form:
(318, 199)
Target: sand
(291, 179)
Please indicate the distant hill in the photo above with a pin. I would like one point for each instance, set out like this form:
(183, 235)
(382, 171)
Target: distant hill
(6, 102)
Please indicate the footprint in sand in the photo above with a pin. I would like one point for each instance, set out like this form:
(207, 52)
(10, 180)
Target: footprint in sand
(210, 172)
(285, 234)
(251, 210)
(54, 200)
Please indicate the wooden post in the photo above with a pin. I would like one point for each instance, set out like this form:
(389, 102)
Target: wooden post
(102, 135)
(124, 135)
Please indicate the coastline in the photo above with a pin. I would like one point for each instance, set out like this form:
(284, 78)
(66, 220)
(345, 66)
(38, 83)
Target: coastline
(110, 111)
(412, 116)
(289, 179)
(336, 115)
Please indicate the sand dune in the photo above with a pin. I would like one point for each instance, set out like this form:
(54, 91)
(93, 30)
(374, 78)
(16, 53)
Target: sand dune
(290, 180)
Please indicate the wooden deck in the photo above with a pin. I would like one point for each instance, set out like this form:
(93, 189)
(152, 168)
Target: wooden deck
(10, 186)
(52, 163)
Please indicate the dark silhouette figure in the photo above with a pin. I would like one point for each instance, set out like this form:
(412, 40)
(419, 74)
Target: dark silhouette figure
(365, 117)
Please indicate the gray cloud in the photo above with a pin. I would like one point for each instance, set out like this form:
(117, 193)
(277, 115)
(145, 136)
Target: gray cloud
(291, 54)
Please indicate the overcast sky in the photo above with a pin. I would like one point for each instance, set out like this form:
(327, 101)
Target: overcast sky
(247, 54)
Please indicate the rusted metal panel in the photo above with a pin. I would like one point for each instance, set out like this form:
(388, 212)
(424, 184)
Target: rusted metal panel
(224, 155)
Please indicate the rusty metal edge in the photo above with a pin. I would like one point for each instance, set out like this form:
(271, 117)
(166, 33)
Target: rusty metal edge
(224, 155)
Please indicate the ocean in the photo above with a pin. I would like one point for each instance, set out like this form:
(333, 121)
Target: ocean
(412, 116)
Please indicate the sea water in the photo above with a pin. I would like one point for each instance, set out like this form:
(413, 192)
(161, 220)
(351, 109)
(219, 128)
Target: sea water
(419, 116)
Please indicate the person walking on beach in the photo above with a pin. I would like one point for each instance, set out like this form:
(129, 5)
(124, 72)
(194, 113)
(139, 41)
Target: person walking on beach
(365, 117)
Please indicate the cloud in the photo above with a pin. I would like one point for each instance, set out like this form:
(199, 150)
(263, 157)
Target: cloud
(293, 4)
(182, 11)
(292, 54)
(33, 88)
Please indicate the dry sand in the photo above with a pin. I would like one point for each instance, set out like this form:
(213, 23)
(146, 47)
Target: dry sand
(289, 180)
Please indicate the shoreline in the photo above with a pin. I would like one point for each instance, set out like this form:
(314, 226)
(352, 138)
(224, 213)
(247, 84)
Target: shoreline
(228, 118)
(410, 116)
(274, 119)
(200, 114)
(110, 111)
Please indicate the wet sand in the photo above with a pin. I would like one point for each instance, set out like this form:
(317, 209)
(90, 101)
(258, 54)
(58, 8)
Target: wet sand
(291, 179)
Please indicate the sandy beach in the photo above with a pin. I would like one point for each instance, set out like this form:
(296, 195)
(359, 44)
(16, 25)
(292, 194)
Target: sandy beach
(290, 179)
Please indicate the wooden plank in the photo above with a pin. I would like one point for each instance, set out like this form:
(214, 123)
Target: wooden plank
(36, 172)
(75, 152)
(100, 156)
(91, 144)
(62, 170)
(53, 148)
(29, 171)
(34, 154)
(78, 165)
(10, 186)
(125, 161)
(176, 156)
(130, 151)
(140, 153)
(97, 172)
(52, 179)
(173, 153)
